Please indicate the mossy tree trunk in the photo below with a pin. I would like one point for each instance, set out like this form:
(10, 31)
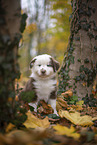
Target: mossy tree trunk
(10, 17)
(80, 62)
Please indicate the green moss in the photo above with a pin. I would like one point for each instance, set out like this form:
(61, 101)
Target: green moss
(27, 96)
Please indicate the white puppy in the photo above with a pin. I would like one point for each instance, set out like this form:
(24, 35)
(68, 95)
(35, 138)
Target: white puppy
(43, 80)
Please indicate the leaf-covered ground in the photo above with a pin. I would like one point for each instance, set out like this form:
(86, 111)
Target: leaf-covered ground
(76, 124)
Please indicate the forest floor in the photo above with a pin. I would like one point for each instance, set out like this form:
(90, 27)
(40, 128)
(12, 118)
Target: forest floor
(76, 124)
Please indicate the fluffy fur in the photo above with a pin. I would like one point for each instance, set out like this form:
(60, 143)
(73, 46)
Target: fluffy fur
(43, 80)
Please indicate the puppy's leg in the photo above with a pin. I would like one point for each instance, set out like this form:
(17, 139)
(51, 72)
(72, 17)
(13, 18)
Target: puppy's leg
(35, 104)
(52, 102)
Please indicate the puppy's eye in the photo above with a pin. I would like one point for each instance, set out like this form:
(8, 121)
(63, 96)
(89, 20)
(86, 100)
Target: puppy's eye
(39, 65)
(49, 65)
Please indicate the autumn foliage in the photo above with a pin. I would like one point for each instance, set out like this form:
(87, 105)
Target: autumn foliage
(75, 123)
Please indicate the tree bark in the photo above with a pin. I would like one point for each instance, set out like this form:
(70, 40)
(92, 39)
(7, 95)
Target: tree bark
(80, 62)
(10, 17)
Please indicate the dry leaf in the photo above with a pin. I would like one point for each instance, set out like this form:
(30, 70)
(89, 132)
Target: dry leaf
(45, 108)
(58, 106)
(71, 110)
(76, 107)
(60, 103)
(94, 118)
(67, 93)
(34, 122)
(19, 135)
(10, 127)
(63, 130)
(76, 119)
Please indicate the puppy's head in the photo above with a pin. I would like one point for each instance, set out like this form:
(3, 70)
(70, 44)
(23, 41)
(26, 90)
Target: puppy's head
(44, 65)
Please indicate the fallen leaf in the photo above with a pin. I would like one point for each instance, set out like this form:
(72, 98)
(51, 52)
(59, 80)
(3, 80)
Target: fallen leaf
(10, 127)
(76, 107)
(80, 103)
(94, 118)
(58, 106)
(34, 122)
(71, 110)
(96, 137)
(19, 135)
(24, 137)
(94, 129)
(76, 119)
(67, 93)
(60, 103)
(63, 130)
(45, 108)
(4, 140)
(84, 84)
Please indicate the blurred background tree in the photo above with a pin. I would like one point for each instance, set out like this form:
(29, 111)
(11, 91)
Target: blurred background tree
(10, 35)
(47, 30)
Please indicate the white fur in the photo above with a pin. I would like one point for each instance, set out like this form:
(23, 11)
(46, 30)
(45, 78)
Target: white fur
(53, 104)
(42, 60)
(44, 88)
(44, 83)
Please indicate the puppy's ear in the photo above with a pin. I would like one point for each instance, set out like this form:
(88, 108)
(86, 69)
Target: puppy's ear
(32, 63)
(55, 64)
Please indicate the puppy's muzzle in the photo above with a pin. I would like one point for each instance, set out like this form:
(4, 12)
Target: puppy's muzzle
(43, 71)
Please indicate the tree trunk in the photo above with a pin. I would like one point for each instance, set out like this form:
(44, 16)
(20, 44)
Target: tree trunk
(80, 62)
(10, 17)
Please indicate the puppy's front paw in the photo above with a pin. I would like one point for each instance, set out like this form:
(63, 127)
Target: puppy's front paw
(34, 106)
(55, 112)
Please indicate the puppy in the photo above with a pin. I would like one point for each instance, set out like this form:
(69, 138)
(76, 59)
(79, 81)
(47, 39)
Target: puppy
(43, 80)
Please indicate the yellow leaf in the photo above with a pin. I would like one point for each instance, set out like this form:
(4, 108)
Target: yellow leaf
(76, 119)
(76, 107)
(84, 84)
(94, 118)
(72, 110)
(34, 122)
(9, 127)
(80, 103)
(62, 130)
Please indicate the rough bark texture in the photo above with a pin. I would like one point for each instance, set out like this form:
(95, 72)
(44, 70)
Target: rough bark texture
(80, 62)
(10, 17)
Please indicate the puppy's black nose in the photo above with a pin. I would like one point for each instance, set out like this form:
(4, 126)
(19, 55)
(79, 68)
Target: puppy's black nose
(43, 71)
